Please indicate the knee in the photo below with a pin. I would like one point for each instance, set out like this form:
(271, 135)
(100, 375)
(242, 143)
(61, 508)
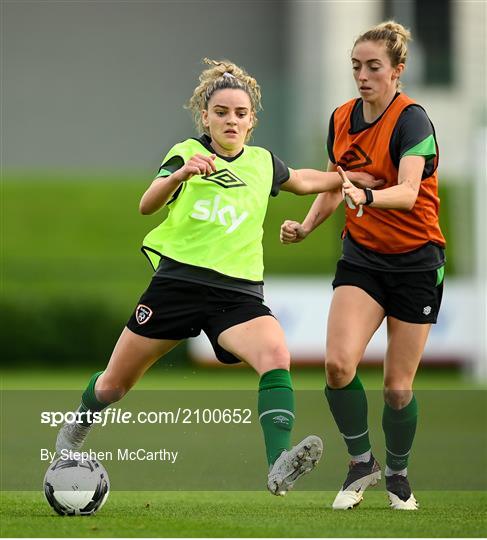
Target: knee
(275, 357)
(397, 397)
(339, 370)
(109, 389)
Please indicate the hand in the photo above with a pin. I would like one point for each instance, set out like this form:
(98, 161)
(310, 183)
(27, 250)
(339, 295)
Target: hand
(355, 195)
(365, 180)
(196, 165)
(292, 232)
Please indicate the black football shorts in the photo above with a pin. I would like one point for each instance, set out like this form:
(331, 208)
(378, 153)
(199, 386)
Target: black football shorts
(413, 297)
(176, 309)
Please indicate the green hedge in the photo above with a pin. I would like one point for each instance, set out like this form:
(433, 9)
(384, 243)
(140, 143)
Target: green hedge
(64, 334)
(72, 270)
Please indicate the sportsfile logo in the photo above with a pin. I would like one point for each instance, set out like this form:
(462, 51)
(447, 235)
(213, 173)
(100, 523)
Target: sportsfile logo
(209, 210)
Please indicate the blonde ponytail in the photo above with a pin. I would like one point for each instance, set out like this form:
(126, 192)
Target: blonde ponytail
(395, 37)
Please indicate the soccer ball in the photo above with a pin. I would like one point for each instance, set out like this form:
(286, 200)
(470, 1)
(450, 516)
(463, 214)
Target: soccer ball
(76, 488)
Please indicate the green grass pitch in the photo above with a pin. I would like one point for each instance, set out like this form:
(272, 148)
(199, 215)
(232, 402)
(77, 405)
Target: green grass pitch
(248, 514)
(242, 513)
(88, 236)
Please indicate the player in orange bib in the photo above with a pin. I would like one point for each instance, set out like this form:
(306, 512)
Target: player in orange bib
(392, 261)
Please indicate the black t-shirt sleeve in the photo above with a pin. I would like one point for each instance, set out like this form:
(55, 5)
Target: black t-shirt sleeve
(281, 174)
(166, 169)
(413, 126)
(330, 141)
(171, 165)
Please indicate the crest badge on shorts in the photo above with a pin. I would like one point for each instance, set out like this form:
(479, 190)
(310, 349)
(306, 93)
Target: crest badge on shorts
(143, 314)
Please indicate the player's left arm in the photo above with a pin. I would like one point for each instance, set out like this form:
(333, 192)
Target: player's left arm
(308, 181)
(413, 150)
(399, 197)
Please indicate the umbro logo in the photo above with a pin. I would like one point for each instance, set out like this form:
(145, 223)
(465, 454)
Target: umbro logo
(143, 314)
(225, 178)
(354, 158)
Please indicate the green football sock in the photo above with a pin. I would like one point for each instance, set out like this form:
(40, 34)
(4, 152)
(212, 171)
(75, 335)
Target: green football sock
(89, 402)
(276, 411)
(399, 429)
(348, 406)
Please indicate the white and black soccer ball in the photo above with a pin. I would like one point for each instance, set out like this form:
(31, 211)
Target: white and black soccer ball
(76, 488)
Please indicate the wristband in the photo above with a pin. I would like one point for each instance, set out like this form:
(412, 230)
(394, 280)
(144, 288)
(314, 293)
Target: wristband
(369, 196)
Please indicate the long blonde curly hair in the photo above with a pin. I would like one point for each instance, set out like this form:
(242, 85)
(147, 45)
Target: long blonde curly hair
(223, 74)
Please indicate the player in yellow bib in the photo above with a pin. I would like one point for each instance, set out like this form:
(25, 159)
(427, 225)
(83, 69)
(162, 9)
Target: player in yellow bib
(209, 272)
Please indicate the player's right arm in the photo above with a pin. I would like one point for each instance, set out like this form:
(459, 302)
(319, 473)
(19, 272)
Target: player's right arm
(162, 188)
(323, 206)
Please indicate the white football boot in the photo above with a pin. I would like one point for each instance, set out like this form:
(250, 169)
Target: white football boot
(71, 437)
(292, 464)
(361, 475)
(400, 495)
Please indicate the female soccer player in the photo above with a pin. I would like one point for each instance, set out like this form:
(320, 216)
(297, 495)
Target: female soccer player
(392, 261)
(209, 269)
